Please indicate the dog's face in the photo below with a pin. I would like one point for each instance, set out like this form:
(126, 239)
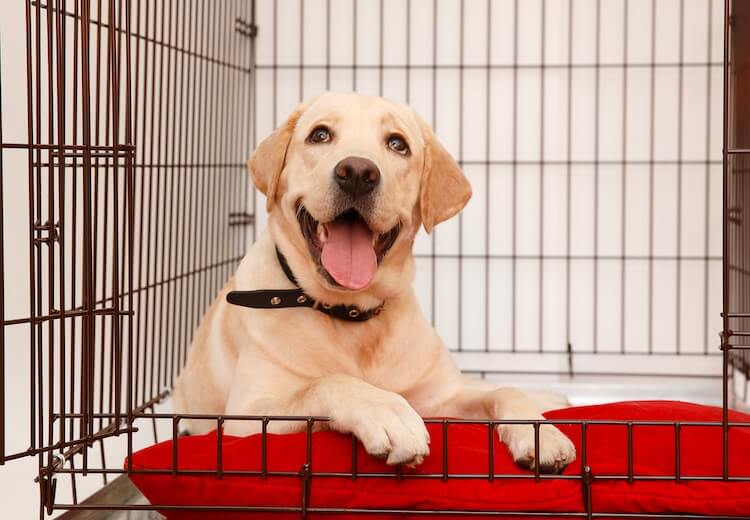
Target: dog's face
(349, 180)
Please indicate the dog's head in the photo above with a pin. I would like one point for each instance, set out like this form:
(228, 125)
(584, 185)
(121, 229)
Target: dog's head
(349, 179)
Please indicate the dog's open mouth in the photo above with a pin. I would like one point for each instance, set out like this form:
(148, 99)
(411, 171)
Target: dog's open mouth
(346, 249)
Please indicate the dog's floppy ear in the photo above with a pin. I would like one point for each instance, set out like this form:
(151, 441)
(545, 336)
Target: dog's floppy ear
(267, 162)
(444, 190)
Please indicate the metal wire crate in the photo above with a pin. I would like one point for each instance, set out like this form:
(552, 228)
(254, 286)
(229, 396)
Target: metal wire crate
(126, 202)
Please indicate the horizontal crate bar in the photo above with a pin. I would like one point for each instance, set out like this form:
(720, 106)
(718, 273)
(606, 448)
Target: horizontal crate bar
(416, 512)
(399, 476)
(74, 147)
(468, 66)
(448, 422)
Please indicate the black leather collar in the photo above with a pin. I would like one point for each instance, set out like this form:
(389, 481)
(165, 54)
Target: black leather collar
(283, 298)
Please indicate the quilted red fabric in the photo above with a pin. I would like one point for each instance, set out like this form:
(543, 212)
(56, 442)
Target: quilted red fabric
(653, 455)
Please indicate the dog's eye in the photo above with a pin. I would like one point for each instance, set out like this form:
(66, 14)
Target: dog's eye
(398, 144)
(320, 134)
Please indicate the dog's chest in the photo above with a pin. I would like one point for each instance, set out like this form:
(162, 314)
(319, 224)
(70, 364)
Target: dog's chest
(379, 353)
(374, 350)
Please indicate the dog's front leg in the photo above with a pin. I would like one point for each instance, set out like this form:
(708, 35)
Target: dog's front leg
(383, 421)
(555, 449)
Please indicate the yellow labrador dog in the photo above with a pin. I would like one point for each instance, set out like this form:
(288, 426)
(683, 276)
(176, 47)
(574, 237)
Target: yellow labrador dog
(327, 322)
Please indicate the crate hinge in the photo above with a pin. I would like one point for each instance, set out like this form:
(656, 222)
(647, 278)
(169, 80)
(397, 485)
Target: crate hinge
(245, 28)
(241, 219)
(47, 489)
(52, 230)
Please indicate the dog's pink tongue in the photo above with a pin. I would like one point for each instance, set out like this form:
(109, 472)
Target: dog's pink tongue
(348, 255)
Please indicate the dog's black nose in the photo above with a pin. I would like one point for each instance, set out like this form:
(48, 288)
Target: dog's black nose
(356, 176)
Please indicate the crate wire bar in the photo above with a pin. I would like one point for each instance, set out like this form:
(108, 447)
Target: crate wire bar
(139, 118)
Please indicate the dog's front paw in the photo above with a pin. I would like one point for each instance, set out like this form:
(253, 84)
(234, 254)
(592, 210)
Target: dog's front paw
(555, 449)
(388, 427)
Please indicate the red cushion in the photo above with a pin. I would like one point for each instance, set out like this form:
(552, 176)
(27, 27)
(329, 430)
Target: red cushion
(653, 455)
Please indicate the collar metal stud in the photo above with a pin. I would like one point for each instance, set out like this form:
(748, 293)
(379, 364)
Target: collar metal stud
(326, 305)
(275, 300)
(301, 298)
(353, 313)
